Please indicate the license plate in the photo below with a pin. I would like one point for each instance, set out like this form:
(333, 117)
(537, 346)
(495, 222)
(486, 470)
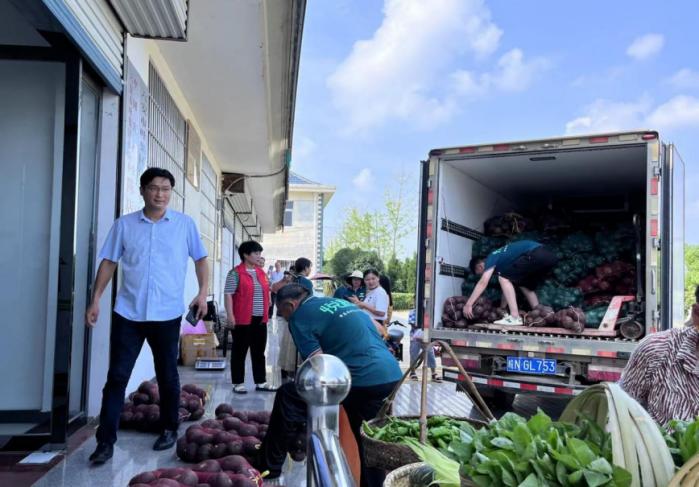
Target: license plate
(525, 365)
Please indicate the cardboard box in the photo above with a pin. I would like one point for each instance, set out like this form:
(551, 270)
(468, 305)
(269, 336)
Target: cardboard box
(195, 346)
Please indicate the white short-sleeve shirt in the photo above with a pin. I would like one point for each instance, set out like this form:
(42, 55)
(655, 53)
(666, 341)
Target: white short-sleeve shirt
(378, 299)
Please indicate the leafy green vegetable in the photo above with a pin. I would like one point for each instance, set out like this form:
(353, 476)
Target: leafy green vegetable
(519, 453)
(446, 470)
(682, 438)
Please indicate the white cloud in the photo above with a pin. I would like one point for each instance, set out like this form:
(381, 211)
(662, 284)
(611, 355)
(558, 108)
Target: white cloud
(513, 73)
(685, 79)
(680, 111)
(646, 46)
(363, 181)
(390, 76)
(606, 115)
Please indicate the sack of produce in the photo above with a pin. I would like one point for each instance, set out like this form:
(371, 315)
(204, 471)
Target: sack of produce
(452, 309)
(506, 225)
(542, 315)
(571, 269)
(571, 318)
(577, 243)
(485, 245)
(492, 292)
(618, 243)
(558, 297)
(594, 315)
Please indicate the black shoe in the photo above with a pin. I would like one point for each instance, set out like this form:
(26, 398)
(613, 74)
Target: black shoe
(102, 453)
(167, 439)
(258, 463)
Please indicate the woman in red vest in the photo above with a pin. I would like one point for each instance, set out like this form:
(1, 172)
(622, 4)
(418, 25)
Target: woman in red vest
(247, 304)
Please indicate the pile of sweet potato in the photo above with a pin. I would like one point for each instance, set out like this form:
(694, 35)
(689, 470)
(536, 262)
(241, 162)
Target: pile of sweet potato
(229, 471)
(142, 411)
(483, 312)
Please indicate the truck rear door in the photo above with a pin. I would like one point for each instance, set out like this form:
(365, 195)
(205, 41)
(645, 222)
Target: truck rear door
(672, 238)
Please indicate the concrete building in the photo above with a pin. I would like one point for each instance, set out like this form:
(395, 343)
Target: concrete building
(302, 235)
(92, 93)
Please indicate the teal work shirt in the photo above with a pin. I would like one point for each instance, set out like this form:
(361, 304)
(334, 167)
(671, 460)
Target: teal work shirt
(339, 328)
(305, 282)
(345, 292)
(504, 257)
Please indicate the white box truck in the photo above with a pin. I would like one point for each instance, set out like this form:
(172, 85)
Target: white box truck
(632, 176)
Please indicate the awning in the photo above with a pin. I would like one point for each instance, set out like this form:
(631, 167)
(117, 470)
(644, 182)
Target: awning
(238, 70)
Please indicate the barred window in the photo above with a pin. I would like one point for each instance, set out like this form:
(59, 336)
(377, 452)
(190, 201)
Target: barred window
(166, 135)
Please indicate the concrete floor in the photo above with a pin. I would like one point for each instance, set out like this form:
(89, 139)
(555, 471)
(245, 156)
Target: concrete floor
(133, 452)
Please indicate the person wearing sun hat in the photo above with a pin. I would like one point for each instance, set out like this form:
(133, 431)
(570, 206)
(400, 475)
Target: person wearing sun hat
(354, 287)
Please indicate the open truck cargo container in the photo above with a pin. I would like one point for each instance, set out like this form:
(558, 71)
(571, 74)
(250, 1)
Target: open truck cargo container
(632, 177)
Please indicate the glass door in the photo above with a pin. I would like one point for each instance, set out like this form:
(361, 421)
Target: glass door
(90, 96)
(31, 164)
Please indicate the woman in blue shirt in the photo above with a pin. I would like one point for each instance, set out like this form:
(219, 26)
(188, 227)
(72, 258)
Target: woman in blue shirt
(523, 264)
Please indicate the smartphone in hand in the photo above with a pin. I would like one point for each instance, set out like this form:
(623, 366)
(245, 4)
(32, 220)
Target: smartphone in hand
(192, 315)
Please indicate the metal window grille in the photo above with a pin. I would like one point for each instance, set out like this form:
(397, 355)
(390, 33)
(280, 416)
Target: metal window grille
(166, 135)
(208, 217)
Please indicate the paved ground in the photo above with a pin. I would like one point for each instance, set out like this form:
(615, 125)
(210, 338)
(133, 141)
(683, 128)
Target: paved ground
(133, 453)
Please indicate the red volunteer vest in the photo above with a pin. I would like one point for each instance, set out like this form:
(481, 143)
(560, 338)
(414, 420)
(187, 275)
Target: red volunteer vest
(243, 296)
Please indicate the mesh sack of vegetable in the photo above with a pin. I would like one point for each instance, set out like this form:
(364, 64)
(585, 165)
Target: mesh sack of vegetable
(637, 442)
(558, 297)
(452, 314)
(573, 268)
(617, 243)
(507, 225)
(541, 315)
(572, 319)
(485, 245)
(577, 243)
(492, 292)
(594, 315)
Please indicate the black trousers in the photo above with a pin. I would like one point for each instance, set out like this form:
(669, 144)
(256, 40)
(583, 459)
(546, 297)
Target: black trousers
(289, 413)
(125, 343)
(251, 337)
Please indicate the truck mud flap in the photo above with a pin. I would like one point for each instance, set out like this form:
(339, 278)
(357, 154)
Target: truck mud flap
(513, 385)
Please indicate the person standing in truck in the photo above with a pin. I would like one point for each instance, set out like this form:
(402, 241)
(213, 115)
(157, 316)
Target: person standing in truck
(524, 264)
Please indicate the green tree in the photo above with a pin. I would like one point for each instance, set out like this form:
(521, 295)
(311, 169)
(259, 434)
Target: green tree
(362, 230)
(400, 216)
(346, 260)
(394, 271)
(410, 273)
(691, 274)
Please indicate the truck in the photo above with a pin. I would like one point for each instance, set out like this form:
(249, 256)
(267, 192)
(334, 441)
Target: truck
(633, 178)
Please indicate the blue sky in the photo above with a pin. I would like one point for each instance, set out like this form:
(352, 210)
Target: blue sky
(383, 82)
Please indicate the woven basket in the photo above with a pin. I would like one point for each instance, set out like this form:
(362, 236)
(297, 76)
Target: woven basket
(687, 476)
(407, 476)
(390, 456)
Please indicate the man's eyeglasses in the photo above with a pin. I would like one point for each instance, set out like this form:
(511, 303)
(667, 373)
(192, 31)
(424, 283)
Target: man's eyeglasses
(158, 189)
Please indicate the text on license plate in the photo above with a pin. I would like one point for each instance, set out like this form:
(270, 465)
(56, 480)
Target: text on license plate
(531, 365)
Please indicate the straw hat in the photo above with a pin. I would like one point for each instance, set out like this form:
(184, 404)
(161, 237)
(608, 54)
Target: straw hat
(355, 274)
